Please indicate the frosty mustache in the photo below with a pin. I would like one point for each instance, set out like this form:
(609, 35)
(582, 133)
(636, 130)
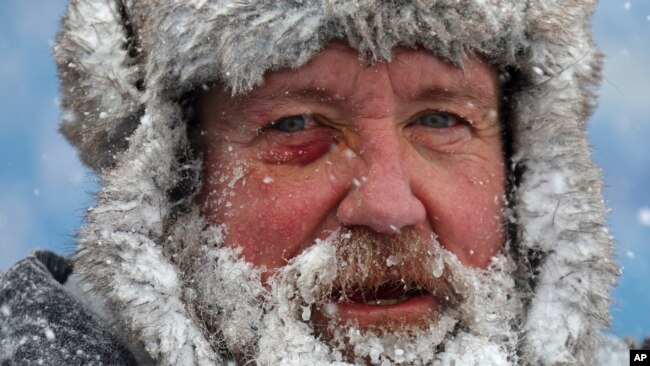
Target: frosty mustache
(382, 269)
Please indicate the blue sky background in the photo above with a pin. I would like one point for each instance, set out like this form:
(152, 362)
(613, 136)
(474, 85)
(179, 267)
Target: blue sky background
(45, 189)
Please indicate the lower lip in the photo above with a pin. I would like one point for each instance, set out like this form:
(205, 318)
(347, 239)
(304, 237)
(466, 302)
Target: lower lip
(413, 311)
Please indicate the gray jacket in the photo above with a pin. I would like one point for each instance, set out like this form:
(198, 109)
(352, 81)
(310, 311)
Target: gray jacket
(42, 323)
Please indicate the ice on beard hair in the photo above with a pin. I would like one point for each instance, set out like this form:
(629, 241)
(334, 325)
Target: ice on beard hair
(369, 263)
(274, 324)
(380, 269)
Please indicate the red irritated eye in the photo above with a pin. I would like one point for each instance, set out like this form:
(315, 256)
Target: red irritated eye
(296, 140)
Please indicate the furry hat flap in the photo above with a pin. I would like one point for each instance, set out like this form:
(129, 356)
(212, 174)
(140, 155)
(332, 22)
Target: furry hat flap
(125, 65)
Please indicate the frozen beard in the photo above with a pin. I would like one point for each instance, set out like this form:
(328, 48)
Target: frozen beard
(294, 318)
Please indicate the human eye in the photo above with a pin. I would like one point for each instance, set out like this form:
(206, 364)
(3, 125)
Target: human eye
(438, 130)
(438, 120)
(290, 124)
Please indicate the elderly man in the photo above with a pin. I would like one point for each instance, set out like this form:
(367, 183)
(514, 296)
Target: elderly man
(324, 183)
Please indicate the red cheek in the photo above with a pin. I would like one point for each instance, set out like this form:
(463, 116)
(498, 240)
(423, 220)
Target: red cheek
(267, 234)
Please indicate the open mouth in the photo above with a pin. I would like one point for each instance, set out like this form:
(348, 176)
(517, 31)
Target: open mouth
(387, 294)
(390, 305)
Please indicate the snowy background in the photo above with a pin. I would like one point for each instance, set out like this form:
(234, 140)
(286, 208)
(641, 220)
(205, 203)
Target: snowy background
(45, 189)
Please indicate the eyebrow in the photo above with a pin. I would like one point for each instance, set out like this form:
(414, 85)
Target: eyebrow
(467, 93)
(287, 95)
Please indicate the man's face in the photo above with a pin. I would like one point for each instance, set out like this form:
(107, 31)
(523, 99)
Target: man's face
(397, 152)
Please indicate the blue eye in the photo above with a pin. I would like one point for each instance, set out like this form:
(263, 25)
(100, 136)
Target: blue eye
(290, 124)
(438, 120)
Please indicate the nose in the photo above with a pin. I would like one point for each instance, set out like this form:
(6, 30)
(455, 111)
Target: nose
(381, 196)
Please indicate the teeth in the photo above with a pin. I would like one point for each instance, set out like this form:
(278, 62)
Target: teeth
(386, 302)
(403, 291)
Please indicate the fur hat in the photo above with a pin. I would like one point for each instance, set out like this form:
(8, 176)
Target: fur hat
(125, 66)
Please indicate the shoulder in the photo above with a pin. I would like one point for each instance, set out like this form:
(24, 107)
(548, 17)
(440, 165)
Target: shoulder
(41, 321)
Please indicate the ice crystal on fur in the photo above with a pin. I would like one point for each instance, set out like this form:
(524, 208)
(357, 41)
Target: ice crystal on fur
(126, 62)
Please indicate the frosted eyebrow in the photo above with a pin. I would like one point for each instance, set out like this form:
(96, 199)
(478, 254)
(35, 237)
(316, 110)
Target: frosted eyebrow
(283, 96)
(465, 93)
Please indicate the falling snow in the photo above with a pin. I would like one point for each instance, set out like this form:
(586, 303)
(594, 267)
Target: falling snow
(5, 311)
(49, 334)
(644, 216)
(330, 308)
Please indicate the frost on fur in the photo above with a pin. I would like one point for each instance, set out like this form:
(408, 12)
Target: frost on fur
(125, 119)
(271, 325)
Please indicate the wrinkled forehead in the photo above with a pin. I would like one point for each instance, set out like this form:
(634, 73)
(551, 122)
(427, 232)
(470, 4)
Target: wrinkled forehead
(337, 71)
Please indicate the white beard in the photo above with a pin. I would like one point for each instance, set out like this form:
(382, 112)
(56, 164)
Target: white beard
(270, 325)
